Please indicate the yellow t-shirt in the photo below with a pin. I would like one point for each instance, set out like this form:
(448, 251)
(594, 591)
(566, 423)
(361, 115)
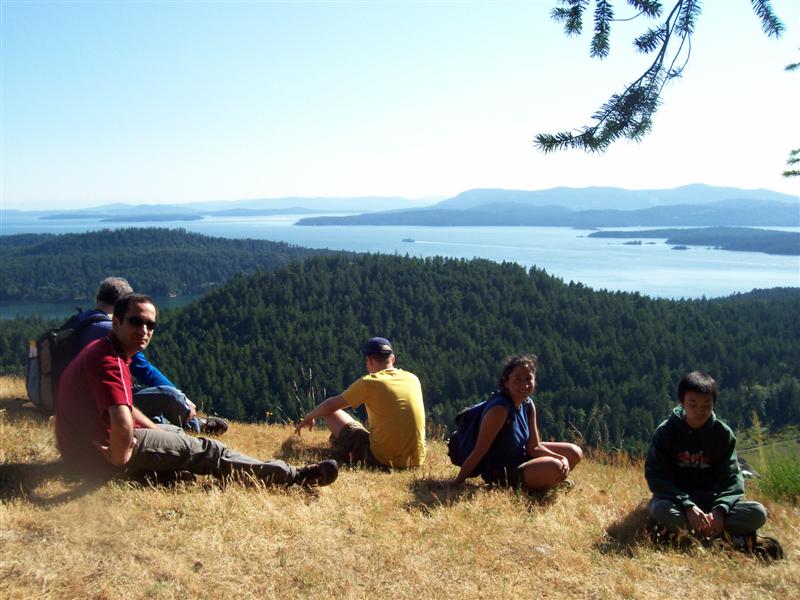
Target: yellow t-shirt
(393, 398)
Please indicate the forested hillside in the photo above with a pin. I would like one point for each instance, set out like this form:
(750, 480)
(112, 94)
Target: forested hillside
(609, 361)
(52, 268)
(262, 345)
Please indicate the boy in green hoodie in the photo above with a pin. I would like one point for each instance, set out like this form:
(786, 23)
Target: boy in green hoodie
(692, 470)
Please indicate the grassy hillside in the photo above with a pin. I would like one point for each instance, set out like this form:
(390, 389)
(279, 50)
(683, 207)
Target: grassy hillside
(378, 535)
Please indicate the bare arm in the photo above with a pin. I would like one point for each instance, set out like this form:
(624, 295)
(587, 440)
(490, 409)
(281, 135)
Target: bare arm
(142, 419)
(121, 440)
(328, 407)
(491, 425)
(534, 447)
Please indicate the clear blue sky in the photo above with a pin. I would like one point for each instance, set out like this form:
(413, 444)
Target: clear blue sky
(155, 102)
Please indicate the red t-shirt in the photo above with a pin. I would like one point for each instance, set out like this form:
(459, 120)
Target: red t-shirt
(96, 379)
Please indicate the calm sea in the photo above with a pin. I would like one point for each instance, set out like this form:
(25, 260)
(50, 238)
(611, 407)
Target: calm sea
(652, 269)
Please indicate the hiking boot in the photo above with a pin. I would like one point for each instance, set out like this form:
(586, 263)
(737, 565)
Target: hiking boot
(767, 548)
(213, 425)
(318, 474)
(761, 546)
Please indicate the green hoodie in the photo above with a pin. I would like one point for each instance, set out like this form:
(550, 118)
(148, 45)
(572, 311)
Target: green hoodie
(694, 466)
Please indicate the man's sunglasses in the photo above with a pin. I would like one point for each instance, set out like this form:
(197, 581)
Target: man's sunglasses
(139, 321)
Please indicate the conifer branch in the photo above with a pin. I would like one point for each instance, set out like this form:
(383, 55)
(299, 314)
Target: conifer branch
(630, 114)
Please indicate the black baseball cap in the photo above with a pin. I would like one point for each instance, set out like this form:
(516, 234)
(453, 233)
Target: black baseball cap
(377, 346)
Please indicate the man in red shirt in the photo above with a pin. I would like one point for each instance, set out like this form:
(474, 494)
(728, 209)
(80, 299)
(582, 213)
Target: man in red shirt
(97, 425)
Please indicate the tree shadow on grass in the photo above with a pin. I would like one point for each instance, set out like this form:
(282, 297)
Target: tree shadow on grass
(430, 493)
(16, 409)
(297, 452)
(626, 534)
(25, 480)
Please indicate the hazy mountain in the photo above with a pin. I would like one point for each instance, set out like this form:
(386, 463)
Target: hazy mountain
(508, 202)
(254, 207)
(319, 203)
(610, 197)
(739, 212)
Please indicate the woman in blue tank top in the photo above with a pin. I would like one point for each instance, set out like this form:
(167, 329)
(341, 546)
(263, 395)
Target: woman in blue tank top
(508, 449)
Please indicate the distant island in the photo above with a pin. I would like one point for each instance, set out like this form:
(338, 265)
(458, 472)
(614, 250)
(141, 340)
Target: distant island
(70, 216)
(729, 213)
(144, 218)
(742, 239)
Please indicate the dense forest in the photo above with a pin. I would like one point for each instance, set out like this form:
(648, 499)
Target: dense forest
(52, 268)
(267, 345)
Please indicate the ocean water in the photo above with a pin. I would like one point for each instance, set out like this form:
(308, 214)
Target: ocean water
(655, 270)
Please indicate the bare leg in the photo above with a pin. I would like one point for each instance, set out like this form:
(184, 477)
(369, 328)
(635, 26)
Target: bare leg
(545, 472)
(541, 473)
(569, 451)
(335, 421)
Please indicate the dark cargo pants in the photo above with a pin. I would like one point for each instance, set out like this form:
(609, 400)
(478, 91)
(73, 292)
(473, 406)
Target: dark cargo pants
(158, 450)
(744, 518)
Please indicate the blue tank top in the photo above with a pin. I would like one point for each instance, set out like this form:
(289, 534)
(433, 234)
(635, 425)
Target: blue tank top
(509, 447)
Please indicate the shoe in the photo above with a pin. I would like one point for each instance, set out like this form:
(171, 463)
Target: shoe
(318, 474)
(213, 425)
(767, 548)
(762, 547)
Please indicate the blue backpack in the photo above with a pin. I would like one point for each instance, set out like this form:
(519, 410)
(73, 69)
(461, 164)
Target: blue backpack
(468, 423)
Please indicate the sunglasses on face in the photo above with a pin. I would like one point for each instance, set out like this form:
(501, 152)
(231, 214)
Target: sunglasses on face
(139, 321)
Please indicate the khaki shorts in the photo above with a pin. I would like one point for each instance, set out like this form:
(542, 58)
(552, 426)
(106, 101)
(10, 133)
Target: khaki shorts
(352, 445)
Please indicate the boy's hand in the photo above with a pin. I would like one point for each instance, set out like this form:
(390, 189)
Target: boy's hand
(716, 522)
(698, 520)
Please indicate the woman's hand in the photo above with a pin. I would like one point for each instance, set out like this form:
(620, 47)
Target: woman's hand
(564, 467)
(308, 422)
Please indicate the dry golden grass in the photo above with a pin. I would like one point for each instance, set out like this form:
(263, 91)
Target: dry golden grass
(371, 534)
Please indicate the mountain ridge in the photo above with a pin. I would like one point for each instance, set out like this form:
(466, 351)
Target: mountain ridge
(587, 198)
(732, 212)
(612, 197)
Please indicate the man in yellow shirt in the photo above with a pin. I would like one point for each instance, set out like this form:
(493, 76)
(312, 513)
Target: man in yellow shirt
(396, 415)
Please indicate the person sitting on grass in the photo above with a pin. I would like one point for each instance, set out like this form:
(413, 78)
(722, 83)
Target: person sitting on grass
(100, 431)
(692, 471)
(154, 394)
(508, 450)
(393, 398)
